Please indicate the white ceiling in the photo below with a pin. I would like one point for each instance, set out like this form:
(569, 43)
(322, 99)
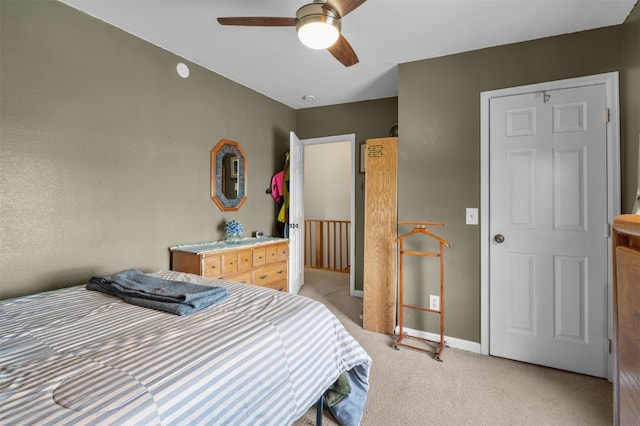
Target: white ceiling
(383, 33)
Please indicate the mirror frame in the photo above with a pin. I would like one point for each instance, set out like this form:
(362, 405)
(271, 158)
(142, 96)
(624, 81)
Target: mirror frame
(224, 147)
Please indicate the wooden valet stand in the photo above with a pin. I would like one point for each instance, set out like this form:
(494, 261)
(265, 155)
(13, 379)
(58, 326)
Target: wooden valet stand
(420, 228)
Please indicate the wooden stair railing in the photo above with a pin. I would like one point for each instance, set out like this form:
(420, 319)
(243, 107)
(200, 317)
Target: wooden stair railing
(326, 244)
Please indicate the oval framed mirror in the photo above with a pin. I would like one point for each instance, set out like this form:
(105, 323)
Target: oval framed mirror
(228, 175)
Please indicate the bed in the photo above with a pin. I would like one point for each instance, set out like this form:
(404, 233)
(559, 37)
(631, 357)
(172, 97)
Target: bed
(259, 357)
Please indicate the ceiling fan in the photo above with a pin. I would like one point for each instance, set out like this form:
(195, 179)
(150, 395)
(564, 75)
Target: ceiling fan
(317, 24)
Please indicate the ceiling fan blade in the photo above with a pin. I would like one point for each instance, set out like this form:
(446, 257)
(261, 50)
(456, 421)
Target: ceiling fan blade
(343, 52)
(258, 21)
(344, 7)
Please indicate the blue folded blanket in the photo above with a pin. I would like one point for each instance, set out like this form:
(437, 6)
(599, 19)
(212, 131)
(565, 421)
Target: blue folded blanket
(176, 297)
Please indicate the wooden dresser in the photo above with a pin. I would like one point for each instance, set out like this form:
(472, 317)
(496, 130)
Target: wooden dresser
(259, 261)
(626, 320)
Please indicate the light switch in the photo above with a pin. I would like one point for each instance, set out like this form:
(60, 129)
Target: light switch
(472, 216)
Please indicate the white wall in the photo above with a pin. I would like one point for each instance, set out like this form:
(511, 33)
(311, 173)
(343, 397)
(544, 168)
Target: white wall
(327, 181)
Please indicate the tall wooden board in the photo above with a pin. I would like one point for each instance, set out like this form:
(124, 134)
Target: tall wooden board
(380, 219)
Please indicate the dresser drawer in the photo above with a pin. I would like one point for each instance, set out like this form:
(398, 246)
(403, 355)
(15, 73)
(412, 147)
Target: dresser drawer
(245, 260)
(243, 277)
(280, 285)
(283, 251)
(211, 266)
(271, 273)
(229, 263)
(259, 256)
(277, 252)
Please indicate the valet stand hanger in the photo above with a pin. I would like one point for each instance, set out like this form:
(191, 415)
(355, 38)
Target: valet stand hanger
(421, 228)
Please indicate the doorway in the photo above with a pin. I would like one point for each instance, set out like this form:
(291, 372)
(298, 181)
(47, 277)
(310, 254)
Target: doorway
(297, 161)
(549, 190)
(327, 204)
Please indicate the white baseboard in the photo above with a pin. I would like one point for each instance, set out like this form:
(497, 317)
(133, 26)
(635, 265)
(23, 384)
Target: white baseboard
(451, 342)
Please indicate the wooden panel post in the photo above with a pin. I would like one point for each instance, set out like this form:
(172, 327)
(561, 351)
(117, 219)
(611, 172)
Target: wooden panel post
(381, 195)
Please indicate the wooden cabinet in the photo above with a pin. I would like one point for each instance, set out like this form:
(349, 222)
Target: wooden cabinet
(259, 261)
(626, 320)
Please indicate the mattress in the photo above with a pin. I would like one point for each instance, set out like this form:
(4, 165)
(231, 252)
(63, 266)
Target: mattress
(260, 357)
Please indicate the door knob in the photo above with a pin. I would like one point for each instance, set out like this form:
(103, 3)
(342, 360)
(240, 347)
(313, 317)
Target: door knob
(499, 238)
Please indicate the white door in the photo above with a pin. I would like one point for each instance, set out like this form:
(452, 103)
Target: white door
(548, 218)
(296, 214)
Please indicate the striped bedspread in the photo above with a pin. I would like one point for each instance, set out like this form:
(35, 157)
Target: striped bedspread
(77, 357)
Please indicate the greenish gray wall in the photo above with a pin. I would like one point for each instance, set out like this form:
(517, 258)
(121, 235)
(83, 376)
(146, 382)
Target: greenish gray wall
(439, 110)
(105, 149)
(367, 120)
(630, 106)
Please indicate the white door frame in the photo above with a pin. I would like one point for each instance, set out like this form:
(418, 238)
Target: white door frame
(610, 80)
(351, 138)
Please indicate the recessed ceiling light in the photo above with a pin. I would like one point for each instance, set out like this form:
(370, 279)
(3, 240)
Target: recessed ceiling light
(309, 98)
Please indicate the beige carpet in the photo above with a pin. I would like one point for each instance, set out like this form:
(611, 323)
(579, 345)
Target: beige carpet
(408, 387)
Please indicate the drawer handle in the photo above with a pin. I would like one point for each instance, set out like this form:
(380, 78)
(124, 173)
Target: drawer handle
(281, 272)
(262, 277)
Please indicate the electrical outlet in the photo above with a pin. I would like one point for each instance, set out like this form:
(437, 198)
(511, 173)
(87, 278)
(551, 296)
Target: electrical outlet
(434, 302)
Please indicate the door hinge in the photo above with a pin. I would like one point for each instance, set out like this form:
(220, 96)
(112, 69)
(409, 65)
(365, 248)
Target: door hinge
(607, 115)
(607, 230)
(609, 346)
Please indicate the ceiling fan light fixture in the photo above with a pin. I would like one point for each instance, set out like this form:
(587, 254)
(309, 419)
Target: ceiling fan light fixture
(317, 27)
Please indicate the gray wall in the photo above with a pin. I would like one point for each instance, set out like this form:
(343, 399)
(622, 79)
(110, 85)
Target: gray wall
(368, 119)
(630, 105)
(439, 118)
(105, 149)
